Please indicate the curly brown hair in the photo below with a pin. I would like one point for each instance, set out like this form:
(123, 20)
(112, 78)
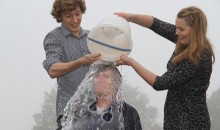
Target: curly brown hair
(64, 6)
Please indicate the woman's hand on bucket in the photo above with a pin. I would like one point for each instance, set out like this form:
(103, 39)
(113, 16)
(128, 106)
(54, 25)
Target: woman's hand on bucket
(124, 60)
(127, 16)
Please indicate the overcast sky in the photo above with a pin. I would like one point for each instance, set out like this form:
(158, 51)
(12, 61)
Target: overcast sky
(24, 24)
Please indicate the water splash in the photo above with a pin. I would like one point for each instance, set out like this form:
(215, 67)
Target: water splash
(85, 110)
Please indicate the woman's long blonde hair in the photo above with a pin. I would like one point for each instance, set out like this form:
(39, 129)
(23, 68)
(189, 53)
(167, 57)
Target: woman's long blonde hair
(195, 18)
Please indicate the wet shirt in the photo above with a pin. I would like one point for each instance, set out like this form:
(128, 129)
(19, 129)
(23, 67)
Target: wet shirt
(185, 105)
(62, 46)
(108, 119)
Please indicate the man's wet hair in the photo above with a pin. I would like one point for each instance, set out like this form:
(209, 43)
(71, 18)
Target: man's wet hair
(116, 78)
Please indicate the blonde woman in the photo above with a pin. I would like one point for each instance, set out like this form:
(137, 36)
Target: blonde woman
(188, 70)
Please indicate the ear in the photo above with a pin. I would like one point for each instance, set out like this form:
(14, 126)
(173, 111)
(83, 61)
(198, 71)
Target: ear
(59, 18)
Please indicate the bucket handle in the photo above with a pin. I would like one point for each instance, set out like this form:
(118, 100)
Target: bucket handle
(104, 44)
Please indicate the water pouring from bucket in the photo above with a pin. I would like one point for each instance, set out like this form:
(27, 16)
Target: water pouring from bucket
(98, 102)
(111, 37)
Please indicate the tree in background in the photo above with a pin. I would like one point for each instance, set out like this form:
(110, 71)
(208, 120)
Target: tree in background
(46, 119)
(214, 110)
(147, 113)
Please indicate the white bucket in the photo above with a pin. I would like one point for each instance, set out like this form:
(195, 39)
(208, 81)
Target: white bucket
(111, 37)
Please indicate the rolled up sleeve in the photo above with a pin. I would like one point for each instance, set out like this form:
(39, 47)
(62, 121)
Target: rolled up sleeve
(53, 49)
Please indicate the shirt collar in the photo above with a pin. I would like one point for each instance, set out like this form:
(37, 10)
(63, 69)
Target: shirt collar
(67, 32)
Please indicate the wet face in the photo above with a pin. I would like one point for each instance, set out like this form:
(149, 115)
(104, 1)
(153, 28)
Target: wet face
(183, 30)
(103, 84)
(72, 20)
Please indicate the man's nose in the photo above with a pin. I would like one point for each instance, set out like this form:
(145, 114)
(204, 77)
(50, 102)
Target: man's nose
(74, 19)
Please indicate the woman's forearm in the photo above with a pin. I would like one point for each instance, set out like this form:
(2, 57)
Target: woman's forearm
(143, 20)
(147, 75)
